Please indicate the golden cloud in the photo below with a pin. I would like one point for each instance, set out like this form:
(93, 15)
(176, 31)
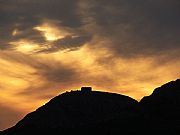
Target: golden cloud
(51, 30)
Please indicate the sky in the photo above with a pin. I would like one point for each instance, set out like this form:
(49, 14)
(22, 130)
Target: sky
(48, 47)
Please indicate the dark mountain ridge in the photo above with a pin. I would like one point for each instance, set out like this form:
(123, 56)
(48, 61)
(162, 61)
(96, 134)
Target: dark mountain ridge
(164, 99)
(92, 112)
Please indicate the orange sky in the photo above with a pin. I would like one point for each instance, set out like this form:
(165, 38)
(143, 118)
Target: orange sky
(44, 54)
(26, 80)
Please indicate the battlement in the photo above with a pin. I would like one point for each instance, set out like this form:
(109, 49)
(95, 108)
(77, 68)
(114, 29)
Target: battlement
(86, 89)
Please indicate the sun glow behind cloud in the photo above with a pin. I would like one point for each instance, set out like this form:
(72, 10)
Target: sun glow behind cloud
(15, 32)
(51, 31)
(25, 46)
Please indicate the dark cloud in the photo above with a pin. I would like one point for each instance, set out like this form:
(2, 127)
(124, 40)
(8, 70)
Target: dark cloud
(4, 46)
(137, 27)
(30, 35)
(31, 11)
(67, 43)
(132, 27)
(70, 41)
(57, 72)
(24, 15)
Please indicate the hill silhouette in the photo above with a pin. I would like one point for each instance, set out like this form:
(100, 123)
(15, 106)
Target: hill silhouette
(93, 112)
(162, 108)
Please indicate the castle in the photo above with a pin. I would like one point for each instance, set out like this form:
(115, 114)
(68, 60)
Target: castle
(86, 89)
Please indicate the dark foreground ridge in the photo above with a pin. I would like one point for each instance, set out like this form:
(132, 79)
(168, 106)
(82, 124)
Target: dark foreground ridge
(88, 112)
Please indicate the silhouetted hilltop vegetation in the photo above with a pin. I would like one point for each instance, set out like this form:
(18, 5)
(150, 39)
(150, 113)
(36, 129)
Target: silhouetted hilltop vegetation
(93, 112)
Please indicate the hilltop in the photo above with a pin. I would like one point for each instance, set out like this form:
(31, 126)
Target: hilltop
(92, 112)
